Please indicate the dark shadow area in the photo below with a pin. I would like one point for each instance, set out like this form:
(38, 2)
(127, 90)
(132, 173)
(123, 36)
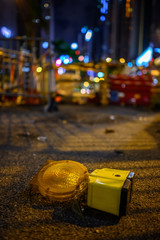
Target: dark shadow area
(90, 217)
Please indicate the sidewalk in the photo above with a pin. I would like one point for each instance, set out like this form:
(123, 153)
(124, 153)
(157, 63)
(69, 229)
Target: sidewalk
(99, 137)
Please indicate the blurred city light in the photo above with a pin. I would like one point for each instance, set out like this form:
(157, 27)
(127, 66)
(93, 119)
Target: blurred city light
(145, 57)
(6, 32)
(100, 74)
(81, 58)
(74, 46)
(84, 29)
(62, 57)
(122, 60)
(66, 61)
(86, 84)
(58, 62)
(45, 45)
(61, 71)
(130, 64)
(46, 5)
(102, 18)
(155, 81)
(155, 72)
(90, 73)
(83, 91)
(86, 59)
(77, 52)
(39, 69)
(37, 20)
(70, 59)
(157, 61)
(108, 59)
(47, 17)
(104, 8)
(96, 79)
(157, 50)
(88, 35)
(25, 69)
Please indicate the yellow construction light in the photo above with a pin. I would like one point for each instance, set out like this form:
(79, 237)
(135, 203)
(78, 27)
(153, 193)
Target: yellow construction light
(108, 60)
(61, 180)
(122, 60)
(39, 69)
(109, 190)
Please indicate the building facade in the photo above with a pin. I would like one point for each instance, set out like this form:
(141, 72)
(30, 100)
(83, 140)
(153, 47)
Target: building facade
(126, 28)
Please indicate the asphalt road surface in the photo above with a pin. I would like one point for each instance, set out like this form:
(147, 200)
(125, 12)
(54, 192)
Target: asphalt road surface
(98, 137)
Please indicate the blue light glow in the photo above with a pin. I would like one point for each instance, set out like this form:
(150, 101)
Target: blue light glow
(145, 57)
(6, 32)
(102, 18)
(86, 59)
(88, 35)
(62, 57)
(74, 46)
(84, 29)
(104, 8)
(100, 74)
(90, 73)
(66, 61)
(130, 64)
(45, 45)
(157, 50)
(25, 69)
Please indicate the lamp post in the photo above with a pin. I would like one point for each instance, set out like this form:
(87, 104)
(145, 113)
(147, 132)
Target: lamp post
(52, 105)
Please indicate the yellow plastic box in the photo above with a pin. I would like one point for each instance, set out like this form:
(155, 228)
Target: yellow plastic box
(110, 190)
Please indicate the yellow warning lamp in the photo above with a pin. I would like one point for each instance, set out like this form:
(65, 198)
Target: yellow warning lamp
(61, 180)
(110, 190)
